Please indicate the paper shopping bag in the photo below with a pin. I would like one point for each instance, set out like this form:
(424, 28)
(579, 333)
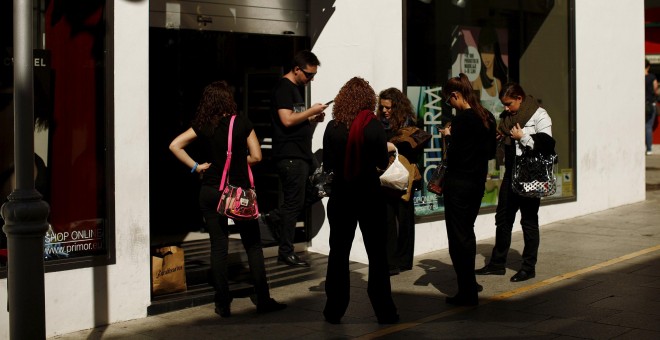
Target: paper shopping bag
(168, 274)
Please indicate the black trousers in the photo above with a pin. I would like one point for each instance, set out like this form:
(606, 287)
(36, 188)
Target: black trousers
(507, 206)
(400, 232)
(462, 203)
(296, 191)
(345, 210)
(217, 225)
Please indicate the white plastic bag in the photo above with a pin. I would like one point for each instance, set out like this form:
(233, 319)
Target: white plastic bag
(396, 175)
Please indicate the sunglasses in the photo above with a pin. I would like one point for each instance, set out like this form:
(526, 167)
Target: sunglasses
(448, 99)
(308, 75)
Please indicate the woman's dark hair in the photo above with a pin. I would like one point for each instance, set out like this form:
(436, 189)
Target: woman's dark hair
(217, 102)
(462, 85)
(488, 42)
(402, 109)
(512, 90)
(356, 95)
(304, 58)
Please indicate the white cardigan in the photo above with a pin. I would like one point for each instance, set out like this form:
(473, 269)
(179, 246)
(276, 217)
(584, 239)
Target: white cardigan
(539, 122)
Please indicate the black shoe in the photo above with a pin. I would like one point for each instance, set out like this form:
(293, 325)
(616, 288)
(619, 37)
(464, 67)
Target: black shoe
(270, 306)
(394, 271)
(389, 320)
(480, 288)
(488, 270)
(293, 260)
(225, 311)
(405, 268)
(335, 320)
(523, 275)
(462, 300)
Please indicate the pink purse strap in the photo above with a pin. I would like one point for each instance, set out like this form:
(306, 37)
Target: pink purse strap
(228, 161)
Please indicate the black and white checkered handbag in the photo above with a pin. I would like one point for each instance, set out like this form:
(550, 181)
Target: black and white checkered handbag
(534, 174)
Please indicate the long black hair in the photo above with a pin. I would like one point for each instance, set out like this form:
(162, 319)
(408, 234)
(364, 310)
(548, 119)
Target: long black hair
(462, 85)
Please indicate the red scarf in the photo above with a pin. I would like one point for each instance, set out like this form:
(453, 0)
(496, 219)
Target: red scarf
(353, 158)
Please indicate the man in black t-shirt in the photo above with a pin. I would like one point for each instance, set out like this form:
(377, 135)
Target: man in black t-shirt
(292, 150)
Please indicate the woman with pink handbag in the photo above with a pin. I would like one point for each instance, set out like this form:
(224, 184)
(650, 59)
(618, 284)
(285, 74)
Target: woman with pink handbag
(211, 126)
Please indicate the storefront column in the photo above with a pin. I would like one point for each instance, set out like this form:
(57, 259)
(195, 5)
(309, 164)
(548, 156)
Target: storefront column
(25, 213)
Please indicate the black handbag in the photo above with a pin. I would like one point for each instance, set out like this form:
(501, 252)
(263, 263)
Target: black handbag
(437, 179)
(322, 181)
(534, 174)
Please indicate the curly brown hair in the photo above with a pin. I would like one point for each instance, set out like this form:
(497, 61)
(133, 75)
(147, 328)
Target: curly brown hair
(217, 102)
(402, 109)
(356, 95)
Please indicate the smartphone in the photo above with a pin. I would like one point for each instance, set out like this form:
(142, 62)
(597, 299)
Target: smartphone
(330, 102)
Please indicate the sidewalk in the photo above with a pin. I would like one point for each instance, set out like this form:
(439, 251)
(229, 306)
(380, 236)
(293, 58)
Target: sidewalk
(598, 277)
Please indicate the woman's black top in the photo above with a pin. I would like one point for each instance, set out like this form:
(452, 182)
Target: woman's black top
(471, 145)
(215, 140)
(374, 153)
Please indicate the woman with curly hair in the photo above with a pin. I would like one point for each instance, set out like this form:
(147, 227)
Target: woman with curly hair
(211, 126)
(395, 113)
(354, 148)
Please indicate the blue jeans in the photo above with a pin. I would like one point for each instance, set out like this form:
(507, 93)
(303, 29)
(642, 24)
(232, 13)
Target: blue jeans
(649, 129)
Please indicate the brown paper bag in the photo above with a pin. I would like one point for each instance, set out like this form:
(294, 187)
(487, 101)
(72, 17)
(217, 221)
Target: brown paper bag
(413, 175)
(168, 274)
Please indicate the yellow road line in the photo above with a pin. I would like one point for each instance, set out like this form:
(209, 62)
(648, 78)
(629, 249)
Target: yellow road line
(505, 295)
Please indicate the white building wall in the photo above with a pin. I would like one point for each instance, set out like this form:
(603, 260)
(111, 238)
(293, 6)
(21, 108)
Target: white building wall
(609, 52)
(361, 39)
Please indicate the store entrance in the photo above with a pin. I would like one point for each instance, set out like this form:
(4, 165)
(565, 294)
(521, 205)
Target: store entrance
(182, 62)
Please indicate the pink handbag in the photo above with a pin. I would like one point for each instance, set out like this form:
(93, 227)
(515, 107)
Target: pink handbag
(235, 202)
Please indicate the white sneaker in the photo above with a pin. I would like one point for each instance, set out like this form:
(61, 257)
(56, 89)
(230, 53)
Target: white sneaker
(649, 153)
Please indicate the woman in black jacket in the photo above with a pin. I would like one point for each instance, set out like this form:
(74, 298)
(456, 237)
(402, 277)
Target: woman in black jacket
(354, 147)
(471, 143)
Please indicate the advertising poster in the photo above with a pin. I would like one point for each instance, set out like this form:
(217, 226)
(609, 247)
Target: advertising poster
(482, 54)
(427, 102)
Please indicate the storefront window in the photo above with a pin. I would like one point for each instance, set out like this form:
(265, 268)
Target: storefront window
(71, 118)
(492, 42)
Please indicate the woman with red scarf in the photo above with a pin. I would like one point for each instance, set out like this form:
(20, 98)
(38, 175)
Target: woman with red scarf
(354, 148)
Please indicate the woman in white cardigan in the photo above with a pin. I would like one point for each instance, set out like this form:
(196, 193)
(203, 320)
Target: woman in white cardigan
(523, 124)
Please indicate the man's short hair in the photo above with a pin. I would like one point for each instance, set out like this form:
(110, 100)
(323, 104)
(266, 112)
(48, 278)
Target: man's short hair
(304, 58)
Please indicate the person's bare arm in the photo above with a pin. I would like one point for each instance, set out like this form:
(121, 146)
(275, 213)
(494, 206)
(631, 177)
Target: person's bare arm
(290, 118)
(178, 149)
(254, 149)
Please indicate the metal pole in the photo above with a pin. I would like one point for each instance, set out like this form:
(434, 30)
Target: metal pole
(25, 213)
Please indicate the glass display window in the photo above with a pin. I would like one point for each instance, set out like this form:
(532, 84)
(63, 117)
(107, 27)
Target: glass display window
(492, 42)
(72, 137)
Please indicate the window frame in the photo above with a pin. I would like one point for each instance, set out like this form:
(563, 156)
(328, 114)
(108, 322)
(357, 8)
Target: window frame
(109, 258)
(572, 128)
